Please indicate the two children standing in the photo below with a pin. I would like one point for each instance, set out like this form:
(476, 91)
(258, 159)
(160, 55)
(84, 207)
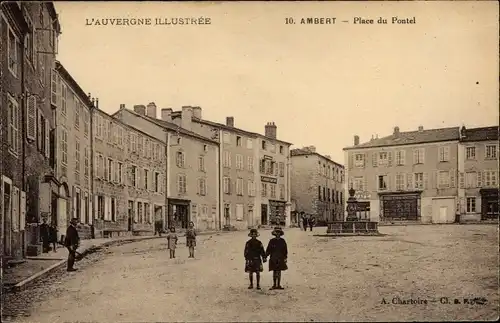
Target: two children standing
(190, 240)
(276, 250)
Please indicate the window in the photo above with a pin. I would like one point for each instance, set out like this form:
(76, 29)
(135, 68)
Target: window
(202, 186)
(53, 87)
(273, 148)
(119, 173)
(120, 137)
(140, 146)
(262, 166)
(227, 159)
(444, 154)
(85, 122)
(382, 182)
(264, 145)
(359, 183)
(281, 150)
(471, 205)
(13, 53)
(180, 159)
(239, 162)
(273, 190)
(400, 157)
(226, 137)
(383, 158)
(249, 143)
(319, 193)
(491, 151)
(201, 163)
(251, 188)
(113, 209)
(13, 130)
(470, 152)
(77, 112)
(419, 180)
(146, 179)
(227, 185)
(157, 182)
(181, 184)
(239, 186)
(250, 163)
(77, 159)
(282, 191)
(263, 190)
(470, 179)
(443, 179)
(490, 178)
(133, 176)
(100, 207)
(238, 141)
(359, 160)
(282, 169)
(86, 164)
(110, 169)
(30, 40)
(133, 142)
(400, 182)
(64, 95)
(140, 212)
(64, 147)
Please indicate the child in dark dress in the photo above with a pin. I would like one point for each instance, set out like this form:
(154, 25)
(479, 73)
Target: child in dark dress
(277, 251)
(254, 256)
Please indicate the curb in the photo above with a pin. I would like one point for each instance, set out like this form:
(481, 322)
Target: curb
(22, 285)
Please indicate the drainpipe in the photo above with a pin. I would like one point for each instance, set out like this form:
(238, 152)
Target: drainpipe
(167, 175)
(23, 131)
(91, 166)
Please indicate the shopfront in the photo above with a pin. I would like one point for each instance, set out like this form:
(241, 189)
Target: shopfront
(489, 203)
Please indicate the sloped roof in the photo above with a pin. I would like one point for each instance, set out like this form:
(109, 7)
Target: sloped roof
(306, 152)
(480, 134)
(412, 137)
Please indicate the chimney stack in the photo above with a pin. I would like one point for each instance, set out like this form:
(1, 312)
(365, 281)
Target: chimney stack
(420, 128)
(151, 110)
(122, 106)
(97, 103)
(230, 121)
(328, 157)
(197, 112)
(270, 130)
(140, 109)
(186, 117)
(356, 140)
(166, 114)
(396, 131)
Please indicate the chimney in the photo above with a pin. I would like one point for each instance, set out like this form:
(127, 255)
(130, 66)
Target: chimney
(186, 117)
(373, 138)
(396, 131)
(328, 156)
(151, 110)
(420, 128)
(166, 114)
(230, 121)
(197, 112)
(97, 103)
(356, 140)
(140, 109)
(122, 106)
(270, 130)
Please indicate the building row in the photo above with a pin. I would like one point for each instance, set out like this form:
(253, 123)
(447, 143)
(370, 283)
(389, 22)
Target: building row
(429, 176)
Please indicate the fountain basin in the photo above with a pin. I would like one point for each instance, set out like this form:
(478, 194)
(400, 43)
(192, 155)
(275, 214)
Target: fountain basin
(352, 228)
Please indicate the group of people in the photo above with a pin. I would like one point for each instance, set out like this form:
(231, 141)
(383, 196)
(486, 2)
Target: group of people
(48, 235)
(307, 221)
(190, 240)
(255, 256)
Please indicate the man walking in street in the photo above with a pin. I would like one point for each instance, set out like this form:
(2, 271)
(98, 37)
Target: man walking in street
(71, 242)
(304, 221)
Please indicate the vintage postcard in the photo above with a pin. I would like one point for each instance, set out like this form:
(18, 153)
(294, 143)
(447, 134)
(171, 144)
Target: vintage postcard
(254, 161)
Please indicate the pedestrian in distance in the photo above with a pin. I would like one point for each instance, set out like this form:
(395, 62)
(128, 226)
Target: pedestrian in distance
(71, 242)
(304, 221)
(255, 255)
(45, 236)
(53, 236)
(277, 251)
(312, 222)
(191, 239)
(158, 227)
(172, 242)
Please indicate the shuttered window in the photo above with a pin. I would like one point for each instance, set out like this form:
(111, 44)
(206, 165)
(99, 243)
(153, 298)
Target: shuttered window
(31, 118)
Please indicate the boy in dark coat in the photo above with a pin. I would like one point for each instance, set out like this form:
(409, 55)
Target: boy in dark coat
(277, 250)
(254, 256)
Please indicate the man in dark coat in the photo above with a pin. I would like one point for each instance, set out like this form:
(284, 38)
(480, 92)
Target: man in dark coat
(254, 256)
(312, 222)
(45, 235)
(277, 251)
(71, 242)
(304, 221)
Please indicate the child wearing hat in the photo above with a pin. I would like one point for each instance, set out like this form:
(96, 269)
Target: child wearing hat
(277, 251)
(254, 256)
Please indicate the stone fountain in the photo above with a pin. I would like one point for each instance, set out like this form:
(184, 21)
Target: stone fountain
(352, 224)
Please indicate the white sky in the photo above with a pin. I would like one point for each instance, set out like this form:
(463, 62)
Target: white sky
(320, 84)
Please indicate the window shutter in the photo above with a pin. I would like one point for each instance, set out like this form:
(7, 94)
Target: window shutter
(396, 187)
(374, 159)
(479, 179)
(351, 161)
(423, 155)
(435, 179)
(31, 118)
(415, 156)
(89, 206)
(22, 215)
(426, 181)
(377, 187)
(73, 206)
(96, 163)
(105, 208)
(15, 209)
(403, 157)
(461, 179)
(365, 182)
(389, 183)
(94, 214)
(47, 138)
(453, 178)
(389, 158)
(38, 129)
(409, 181)
(136, 212)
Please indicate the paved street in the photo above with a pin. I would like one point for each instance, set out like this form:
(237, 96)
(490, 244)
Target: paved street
(329, 280)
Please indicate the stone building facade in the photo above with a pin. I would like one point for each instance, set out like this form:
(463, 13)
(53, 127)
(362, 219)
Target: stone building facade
(478, 173)
(406, 176)
(29, 34)
(192, 169)
(317, 185)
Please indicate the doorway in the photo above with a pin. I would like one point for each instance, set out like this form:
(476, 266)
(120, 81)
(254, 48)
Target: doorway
(179, 214)
(7, 216)
(443, 214)
(263, 214)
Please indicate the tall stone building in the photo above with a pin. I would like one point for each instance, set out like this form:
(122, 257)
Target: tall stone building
(192, 169)
(28, 187)
(317, 185)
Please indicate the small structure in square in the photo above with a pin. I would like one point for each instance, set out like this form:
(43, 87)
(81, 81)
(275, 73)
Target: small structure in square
(352, 224)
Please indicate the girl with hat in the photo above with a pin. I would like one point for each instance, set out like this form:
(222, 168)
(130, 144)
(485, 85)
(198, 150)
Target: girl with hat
(277, 250)
(254, 256)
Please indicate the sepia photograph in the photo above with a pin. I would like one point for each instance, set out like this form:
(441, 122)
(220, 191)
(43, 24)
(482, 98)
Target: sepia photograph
(249, 161)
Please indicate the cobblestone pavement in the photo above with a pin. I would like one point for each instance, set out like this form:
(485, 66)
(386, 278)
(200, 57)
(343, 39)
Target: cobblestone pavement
(330, 279)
